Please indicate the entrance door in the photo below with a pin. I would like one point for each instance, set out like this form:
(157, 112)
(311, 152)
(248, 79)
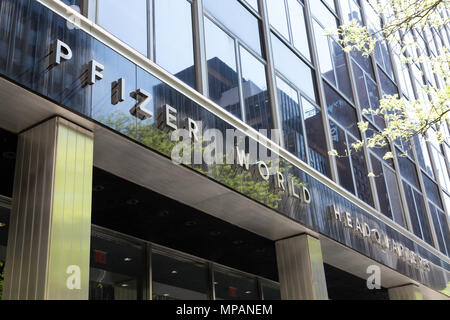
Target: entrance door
(118, 268)
(4, 223)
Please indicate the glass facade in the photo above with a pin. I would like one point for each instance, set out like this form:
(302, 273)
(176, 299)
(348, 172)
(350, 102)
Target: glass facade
(269, 64)
(131, 269)
(238, 79)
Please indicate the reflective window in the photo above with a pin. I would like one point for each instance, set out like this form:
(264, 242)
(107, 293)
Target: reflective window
(321, 12)
(118, 269)
(254, 90)
(432, 191)
(176, 278)
(127, 20)
(387, 85)
(173, 35)
(277, 16)
(344, 169)
(234, 286)
(382, 191)
(394, 196)
(417, 213)
(298, 27)
(228, 12)
(293, 68)
(223, 78)
(332, 61)
(341, 111)
(315, 134)
(360, 173)
(291, 116)
(408, 171)
(441, 169)
(422, 155)
(350, 10)
(441, 228)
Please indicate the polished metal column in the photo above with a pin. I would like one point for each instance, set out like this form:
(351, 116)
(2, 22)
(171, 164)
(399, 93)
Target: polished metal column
(300, 269)
(49, 235)
(407, 292)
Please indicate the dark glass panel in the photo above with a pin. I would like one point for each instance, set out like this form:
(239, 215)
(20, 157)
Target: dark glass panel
(341, 111)
(340, 66)
(118, 269)
(421, 212)
(175, 278)
(291, 115)
(254, 90)
(382, 191)
(223, 78)
(432, 191)
(315, 134)
(339, 140)
(387, 85)
(412, 210)
(271, 291)
(408, 171)
(364, 192)
(441, 229)
(173, 36)
(234, 286)
(394, 196)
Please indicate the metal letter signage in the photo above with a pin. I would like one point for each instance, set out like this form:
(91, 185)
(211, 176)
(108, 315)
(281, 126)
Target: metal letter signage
(378, 238)
(118, 91)
(93, 73)
(74, 280)
(139, 110)
(59, 51)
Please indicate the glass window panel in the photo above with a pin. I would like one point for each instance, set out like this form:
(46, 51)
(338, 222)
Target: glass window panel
(363, 62)
(323, 50)
(293, 68)
(173, 34)
(254, 89)
(344, 169)
(441, 169)
(382, 191)
(298, 27)
(228, 12)
(422, 155)
(276, 10)
(394, 196)
(379, 151)
(412, 210)
(315, 133)
(408, 171)
(350, 10)
(223, 78)
(127, 20)
(322, 14)
(364, 191)
(330, 3)
(387, 85)
(340, 66)
(117, 271)
(341, 111)
(271, 291)
(234, 286)
(441, 228)
(291, 119)
(432, 191)
(176, 278)
(423, 218)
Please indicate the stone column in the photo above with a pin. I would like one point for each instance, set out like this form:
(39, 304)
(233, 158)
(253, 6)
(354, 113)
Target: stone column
(300, 269)
(49, 233)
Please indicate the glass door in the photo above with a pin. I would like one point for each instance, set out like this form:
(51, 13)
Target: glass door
(118, 267)
(4, 223)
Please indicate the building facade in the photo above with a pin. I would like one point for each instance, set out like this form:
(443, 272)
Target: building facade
(99, 98)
